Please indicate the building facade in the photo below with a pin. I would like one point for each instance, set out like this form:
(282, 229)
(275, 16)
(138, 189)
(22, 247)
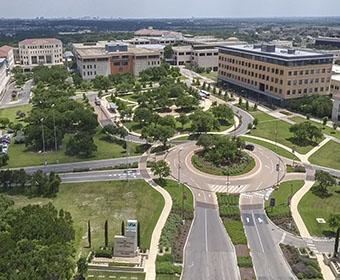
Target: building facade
(279, 74)
(105, 58)
(7, 53)
(4, 75)
(336, 108)
(45, 51)
(335, 85)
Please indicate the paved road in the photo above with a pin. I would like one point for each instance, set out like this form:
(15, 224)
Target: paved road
(209, 252)
(69, 167)
(268, 260)
(23, 95)
(107, 175)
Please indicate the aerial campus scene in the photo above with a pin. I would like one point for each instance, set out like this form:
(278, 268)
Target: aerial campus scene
(170, 140)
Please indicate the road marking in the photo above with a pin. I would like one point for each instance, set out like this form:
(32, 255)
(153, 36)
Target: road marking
(206, 230)
(260, 220)
(283, 237)
(258, 233)
(259, 186)
(266, 166)
(199, 194)
(247, 220)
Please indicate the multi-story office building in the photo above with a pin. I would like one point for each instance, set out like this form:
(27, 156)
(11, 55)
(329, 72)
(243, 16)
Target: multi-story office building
(327, 42)
(4, 75)
(45, 51)
(335, 85)
(279, 74)
(336, 108)
(7, 53)
(104, 58)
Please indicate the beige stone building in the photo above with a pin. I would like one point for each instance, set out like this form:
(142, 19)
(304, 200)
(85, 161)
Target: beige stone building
(274, 73)
(104, 58)
(44, 51)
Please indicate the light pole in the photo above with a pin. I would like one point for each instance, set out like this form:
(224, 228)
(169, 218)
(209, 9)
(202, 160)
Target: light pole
(55, 137)
(228, 182)
(179, 167)
(43, 139)
(127, 158)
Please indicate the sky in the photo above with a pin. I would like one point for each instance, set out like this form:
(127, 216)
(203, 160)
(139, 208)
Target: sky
(168, 8)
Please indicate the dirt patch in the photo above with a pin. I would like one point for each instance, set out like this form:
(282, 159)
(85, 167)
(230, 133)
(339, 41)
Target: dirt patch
(180, 238)
(286, 223)
(247, 273)
(241, 250)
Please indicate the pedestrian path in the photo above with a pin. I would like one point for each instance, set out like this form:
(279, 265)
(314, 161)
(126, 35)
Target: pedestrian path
(229, 189)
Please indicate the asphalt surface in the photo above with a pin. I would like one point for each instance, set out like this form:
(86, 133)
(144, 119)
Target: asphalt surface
(23, 95)
(209, 252)
(70, 167)
(107, 175)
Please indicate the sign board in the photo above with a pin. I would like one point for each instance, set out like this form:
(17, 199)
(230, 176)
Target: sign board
(272, 202)
(185, 195)
(289, 200)
(132, 225)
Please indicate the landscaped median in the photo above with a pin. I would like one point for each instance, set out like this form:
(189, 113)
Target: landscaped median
(175, 232)
(230, 215)
(280, 213)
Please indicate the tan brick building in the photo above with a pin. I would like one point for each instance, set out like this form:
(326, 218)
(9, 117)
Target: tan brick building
(273, 73)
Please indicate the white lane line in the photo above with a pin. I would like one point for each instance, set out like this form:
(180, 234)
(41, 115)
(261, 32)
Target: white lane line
(283, 237)
(257, 231)
(259, 186)
(206, 230)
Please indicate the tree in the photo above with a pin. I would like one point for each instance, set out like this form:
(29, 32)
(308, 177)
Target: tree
(255, 121)
(4, 160)
(255, 107)
(82, 267)
(203, 121)
(81, 144)
(183, 119)
(324, 120)
(247, 105)
(143, 115)
(324, 180)
(336, 244)
(223, 112)
(4, 122)
(89, 233)
(335, 126)
(240, 101)
(334, 221)
(122, 229)
(306, 133)
(106, 234)
(168, 52)
(161, 168)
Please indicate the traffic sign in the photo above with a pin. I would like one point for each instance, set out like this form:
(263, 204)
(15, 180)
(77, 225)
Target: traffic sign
(289, 199)
(272, 202)
(277, 167)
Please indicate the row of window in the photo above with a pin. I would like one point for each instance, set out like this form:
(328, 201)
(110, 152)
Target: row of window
(276, 89)
(334, 87)
(89, 73)
(123, 63)
(309, 72)
(321, 59)
(308, 81)
(42, 46)
(89, 66)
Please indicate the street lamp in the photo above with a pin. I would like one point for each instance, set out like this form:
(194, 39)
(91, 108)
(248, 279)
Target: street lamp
(55, 137)
(127, 157)
(228, 182)
(179, 167)
(43, 139)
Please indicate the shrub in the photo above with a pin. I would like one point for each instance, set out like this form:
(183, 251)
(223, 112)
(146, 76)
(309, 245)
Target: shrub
(103, 253)
(244, 261)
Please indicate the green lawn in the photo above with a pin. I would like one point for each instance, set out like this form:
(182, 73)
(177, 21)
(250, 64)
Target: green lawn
(266, 129)
(166, 277)
(107, 147)
(11, 112)
(118, 275)
(324, 128)
(328, 155)
(131, 97)
(211, 75)
(281, 198)
(176, 194)
(312, 206)
(115, 201)
(280, 151)
(133, 126)
(236, 232)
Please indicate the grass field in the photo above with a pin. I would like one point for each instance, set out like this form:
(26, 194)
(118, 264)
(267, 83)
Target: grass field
(107, 147)
(324, 128)
(312, 206)
(328, 155)
(211, 75)
(280, 151)
(266, 129)
(166, 277)
(114, 201)
(281, 195)
(176, 194)
(96, 275)
(10, 113)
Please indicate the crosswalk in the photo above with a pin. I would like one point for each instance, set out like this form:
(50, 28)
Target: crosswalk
(311, 245)
(250, 196)
(229, 189)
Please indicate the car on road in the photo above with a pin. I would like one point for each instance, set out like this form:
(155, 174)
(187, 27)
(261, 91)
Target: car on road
(250, 147)
(97, 101)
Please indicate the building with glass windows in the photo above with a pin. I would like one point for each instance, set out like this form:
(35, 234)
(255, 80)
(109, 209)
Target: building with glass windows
(275, 74)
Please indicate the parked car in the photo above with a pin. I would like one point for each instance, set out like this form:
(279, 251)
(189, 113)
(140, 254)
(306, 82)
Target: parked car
(97, 101)
(250, 147)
